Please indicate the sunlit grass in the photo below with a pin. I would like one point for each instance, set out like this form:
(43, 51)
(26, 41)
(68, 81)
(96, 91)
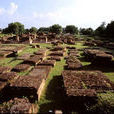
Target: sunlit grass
(14, 63)
(29, 50)
(45, 45)
(5, 61)
(56, 71)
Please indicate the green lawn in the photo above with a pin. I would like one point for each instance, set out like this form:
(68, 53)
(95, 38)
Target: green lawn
(6, 61)
(45, 45)
(50, 97)
(78, 45)
(28, 49)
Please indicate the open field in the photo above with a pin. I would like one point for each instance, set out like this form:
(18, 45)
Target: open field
(33, 64)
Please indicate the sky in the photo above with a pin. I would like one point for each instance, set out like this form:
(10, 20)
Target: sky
(44, 13)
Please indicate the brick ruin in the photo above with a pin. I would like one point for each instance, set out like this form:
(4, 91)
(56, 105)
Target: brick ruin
(39, 38)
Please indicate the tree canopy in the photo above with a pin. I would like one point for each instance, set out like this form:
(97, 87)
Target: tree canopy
(100, 31)
(33, 30)
(88, 31)
(15, 28)
(56, 29)
(71, 29)
(110, 29)
(44, 29)
(103, 30)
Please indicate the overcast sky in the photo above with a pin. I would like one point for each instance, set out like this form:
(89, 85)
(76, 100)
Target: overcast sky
(44, 13)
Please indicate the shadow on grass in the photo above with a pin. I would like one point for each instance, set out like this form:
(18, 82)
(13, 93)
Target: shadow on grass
(103, 68)
(92, 67)
(59, 101)
(54, 93)
(82, 59)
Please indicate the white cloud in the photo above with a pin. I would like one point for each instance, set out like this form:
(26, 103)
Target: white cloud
(82, 13)
(10, 11)
(13, 8)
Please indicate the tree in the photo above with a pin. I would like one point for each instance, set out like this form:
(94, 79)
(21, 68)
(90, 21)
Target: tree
(100, 31)
(33, 30)
(0, 30)
(110, 29)
(26, 31)
(71, 29)
(56, 29)
(44, 29)
(14, 28)
(88, 31)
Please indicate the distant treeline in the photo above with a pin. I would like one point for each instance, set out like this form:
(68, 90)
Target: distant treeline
(103, 30)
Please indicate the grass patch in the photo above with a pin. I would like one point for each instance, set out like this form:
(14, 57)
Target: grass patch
(14, 63)
(50, 97)
(28, 49)
(6, 61)
(110, 75)
(85, 37)
(105, 103)
(45, 45)
(107, 97)
(78, 45)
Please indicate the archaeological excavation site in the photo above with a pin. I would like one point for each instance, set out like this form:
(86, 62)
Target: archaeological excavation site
(51, 73)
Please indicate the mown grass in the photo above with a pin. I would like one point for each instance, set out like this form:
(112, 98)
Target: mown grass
(85, 37)
(14, 63)
(78, 45)
(28, 49)
(5, 61)
(50, 97)
(105, 104)
(45, 45)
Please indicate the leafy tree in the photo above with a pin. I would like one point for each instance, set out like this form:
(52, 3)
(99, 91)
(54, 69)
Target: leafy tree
(71, 29)
(15, 28)
(33, 30)
(56, 29)
(88, 31)
(0, 30)
(26, 31)
(100, 31)
(110, 29)
(44, 29)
